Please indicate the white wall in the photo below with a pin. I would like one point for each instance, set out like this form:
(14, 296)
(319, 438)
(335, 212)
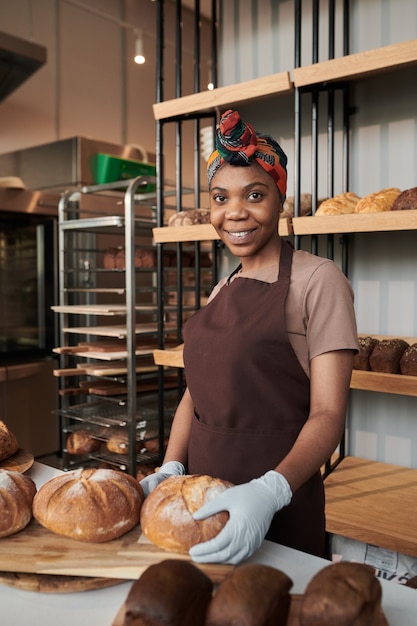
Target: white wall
(383, 154)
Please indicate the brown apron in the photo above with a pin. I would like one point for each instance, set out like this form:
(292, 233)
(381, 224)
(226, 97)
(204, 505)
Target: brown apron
(251, 397)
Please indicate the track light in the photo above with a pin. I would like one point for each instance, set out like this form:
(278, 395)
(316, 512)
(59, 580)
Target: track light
(139, 57)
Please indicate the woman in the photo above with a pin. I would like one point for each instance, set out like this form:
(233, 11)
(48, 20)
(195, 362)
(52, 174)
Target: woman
(268, 363)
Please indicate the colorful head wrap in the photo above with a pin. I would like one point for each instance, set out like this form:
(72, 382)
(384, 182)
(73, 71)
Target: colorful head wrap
(238, 144)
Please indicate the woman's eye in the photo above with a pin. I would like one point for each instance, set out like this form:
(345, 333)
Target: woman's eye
(255, 195)
(219, 198)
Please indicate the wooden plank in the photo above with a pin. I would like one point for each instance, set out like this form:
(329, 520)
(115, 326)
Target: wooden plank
(358, 65)
(99, 309)
(224, 96)
(203, 232)
(374, 503)
(116, 330)
(355, 223)
(384, 383)
(38, 550)
(170, 357)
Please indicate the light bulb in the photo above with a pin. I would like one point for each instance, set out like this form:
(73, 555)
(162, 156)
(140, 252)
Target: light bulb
(139, 57)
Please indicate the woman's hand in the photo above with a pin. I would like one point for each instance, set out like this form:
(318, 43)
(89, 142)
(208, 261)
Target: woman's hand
(172, 468)
(251, 507)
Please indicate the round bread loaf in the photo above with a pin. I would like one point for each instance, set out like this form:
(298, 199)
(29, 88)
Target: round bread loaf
(406, 200)
(378, 201)
(190, 217)
(16, 496)
(118, 442)
(408, 361)
(342, 204)
(8, 442)
(81, 442)
(361, 359)
(92, 505)
(305, 205)
(386, 355)
(170, 593)
(342, 594)
(166, 515)
(251, 595)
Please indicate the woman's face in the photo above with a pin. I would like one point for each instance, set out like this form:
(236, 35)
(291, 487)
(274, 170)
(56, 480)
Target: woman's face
(245, 204)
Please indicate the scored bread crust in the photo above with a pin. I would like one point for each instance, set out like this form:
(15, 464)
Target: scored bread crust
(8, 442)
(166, 515)
(342, 204)
(378, 201)
(93, 505)
(16, 496)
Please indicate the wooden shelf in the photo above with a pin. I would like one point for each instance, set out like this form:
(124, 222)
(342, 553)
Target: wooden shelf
(367, 381)
(100, 309)
(358, 65)
(202, 232)
(374, 503)
(256, 88)
(115, 330)
(171, 357)
(355, 223)
(384, 383)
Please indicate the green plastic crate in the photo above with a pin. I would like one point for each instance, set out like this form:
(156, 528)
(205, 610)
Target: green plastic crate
(106, 168)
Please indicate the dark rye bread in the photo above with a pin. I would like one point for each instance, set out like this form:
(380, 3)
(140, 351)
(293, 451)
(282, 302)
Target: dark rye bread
(406, 200)
(170, 593)
(251, 595)
(361, 359)
(408, 361)
(342, 594)
(386, 355)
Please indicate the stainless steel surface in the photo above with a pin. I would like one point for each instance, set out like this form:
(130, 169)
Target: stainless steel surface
(61, 164)
(19, 59)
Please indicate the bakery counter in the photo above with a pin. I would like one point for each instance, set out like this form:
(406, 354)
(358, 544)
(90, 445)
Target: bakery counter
(101, 606)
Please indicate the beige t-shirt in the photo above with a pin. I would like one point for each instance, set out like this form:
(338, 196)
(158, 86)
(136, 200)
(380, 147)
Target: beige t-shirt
(319, 310)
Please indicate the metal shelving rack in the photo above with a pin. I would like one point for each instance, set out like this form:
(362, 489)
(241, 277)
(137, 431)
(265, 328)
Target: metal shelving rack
(115, 390)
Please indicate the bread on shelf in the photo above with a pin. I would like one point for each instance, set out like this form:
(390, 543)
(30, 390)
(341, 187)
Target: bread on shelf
(190, 217)
(251, 595)
(82, 442)
(386, 355)
(378, 201)
(305, 205)
(76, 504)
(361, 359)
(343, 204)
(406, 200)
(166, 515)
(408, 361)
(170, 593)
(16, 496)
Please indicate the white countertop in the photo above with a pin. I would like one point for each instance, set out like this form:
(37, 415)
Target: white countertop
(24, 608)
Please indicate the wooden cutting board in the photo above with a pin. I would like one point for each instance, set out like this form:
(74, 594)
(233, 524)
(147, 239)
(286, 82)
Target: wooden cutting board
(37, 550)
(19, 462)
(293, 618)
(51, 583)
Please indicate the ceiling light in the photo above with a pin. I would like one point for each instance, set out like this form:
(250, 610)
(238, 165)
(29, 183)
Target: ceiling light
(139, 57)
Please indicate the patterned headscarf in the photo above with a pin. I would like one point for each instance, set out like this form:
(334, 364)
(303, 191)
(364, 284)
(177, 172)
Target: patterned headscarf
(238, 144)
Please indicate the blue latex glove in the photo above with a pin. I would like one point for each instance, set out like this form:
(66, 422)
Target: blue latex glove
(172, 468)
(251, 508)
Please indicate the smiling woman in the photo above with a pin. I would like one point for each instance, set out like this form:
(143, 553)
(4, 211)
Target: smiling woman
(268, 363)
